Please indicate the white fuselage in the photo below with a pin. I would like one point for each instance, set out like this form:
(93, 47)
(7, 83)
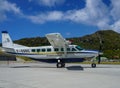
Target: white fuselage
(49, 52)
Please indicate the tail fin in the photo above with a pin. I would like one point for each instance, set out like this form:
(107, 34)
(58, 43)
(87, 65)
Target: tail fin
(6, 40)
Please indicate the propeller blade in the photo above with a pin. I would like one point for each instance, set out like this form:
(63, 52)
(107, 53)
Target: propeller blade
(99, 59)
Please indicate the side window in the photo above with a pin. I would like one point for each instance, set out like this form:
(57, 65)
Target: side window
(79, 48)
(56, 49)
(73, 49)
(38, 50)
(33, 50)
(62, 49)
(48, 49)
(43, 50)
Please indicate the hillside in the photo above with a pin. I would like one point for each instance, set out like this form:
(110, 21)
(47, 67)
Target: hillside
(36, 41)
(110, 45)
(110, 40)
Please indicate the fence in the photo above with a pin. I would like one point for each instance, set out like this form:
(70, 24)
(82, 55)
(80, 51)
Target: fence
(7, 58)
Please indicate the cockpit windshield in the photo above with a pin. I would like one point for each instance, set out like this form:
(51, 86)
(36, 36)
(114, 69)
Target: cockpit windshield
(79, 48)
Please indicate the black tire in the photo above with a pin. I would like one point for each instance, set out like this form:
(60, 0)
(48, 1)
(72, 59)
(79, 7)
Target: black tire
(59, 65)
(93, 65)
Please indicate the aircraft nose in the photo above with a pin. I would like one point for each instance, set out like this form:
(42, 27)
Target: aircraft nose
(94, 52)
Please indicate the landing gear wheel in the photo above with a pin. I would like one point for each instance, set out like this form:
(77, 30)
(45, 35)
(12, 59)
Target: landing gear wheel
(93, 65)
(60, 65)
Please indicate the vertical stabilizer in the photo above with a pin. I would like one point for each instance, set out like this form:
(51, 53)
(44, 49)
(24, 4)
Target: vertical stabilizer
(6, 40)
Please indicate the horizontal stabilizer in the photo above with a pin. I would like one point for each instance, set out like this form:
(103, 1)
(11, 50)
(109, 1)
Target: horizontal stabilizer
(8, 49)
(19, 46)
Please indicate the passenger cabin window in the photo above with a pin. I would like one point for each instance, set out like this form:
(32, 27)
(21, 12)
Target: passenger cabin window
(62, 49)
(48, 49)
(56, 49)
(43, 50)
(38, 50)
(33, 50)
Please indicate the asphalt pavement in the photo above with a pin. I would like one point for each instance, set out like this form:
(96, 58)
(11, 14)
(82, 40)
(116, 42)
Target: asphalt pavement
(42, 75)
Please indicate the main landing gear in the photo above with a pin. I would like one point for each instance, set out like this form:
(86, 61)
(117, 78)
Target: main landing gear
(93, 65)
(60, 64)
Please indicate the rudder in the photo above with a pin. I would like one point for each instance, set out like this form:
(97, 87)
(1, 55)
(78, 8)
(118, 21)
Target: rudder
(6, 40)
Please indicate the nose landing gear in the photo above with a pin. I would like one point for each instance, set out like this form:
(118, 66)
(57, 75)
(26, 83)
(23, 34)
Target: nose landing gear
(93, 65)
(60, 64)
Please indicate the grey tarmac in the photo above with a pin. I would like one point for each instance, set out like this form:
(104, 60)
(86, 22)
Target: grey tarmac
(43, 75)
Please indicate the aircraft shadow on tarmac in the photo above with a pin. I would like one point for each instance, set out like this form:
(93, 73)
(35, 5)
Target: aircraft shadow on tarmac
(80, 68)
(20, 67)
(32, 67)
(68, 68)
(84, 67)
(75, 68)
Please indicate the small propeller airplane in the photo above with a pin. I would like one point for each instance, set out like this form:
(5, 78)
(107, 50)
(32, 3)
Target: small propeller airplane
(61, 51)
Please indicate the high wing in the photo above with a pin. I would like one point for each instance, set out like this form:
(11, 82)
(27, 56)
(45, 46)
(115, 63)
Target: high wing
(56, 40)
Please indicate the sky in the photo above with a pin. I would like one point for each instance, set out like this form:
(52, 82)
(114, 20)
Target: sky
(71, 18)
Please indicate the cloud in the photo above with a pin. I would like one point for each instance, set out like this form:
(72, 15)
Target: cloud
(5, 7)
(95, 13)
(116, 26)
(48, 16)
(115, 11)
(115, 15)
(49, 3)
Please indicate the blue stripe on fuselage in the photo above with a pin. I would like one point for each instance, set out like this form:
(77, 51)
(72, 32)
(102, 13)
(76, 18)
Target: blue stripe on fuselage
(67, 60)
(45, 54)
